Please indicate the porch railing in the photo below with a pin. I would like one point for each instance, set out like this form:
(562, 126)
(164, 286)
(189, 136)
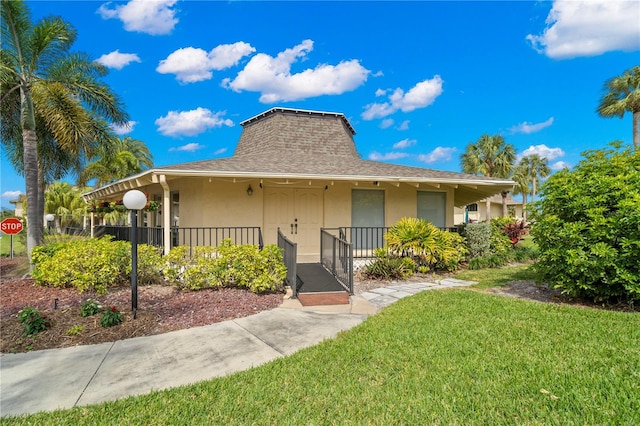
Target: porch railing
(336, 254)
(290, 254)
(189, 236)
(365, 239)
(146, 234)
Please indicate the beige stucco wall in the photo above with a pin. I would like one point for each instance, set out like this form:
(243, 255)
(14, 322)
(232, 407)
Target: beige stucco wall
(221, 202)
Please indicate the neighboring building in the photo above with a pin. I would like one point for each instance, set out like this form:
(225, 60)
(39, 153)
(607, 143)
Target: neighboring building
(18, 205)
(298, 171)
(477, 212)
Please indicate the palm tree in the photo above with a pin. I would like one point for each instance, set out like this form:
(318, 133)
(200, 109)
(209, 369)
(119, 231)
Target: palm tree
(490, 156)
(125, 157)
(65, 202)
(535, 168)
(521, 178)
(623, 95)
(59, 92)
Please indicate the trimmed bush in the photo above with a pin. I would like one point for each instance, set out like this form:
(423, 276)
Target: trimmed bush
(228, 265)
(587, 226)
(387, 267)
(478, 237)
(92, 264)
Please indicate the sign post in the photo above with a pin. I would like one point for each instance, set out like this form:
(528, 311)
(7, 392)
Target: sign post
(11, 226)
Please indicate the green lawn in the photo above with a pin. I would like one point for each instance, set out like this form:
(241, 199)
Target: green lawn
(448, 357)
(19, 248)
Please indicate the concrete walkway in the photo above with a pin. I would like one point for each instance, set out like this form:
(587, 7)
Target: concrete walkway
(64, 378)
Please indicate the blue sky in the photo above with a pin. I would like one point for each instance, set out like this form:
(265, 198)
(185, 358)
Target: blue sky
(417, 80)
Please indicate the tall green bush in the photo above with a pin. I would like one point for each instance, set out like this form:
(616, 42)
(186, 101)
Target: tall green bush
(478, 237)
(587, 226)
(92, 264)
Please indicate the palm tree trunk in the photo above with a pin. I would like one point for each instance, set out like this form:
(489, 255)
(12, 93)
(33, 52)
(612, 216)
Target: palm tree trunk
(35, 227)
(533, 189)
(524, 207)
(636, 130)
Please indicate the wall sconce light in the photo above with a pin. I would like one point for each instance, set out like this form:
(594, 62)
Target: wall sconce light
(249, 191)
(376, 183)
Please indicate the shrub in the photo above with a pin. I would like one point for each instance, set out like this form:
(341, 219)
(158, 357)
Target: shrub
(587, 226)
(92, 264)
(33, 321)
(478, 237)
(389, 267)
(228, 265)
(110, 317)
(89, 307)
(425, 244)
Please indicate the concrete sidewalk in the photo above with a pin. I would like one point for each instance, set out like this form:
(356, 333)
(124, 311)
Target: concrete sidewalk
(64, 378)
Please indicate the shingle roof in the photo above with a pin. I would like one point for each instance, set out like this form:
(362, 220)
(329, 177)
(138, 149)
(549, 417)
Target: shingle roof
(319, 145)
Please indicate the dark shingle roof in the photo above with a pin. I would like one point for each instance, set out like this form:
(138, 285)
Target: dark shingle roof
(319, 145)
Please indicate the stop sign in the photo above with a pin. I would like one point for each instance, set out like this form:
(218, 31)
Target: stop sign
(11, 225)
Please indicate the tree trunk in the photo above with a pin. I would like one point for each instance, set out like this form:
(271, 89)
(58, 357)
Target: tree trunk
(533, 189)
(488, 208)
(524, 208)
(35, 227)
(636, 131)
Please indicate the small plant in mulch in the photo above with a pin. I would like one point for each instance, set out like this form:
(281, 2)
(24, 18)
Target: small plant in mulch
(111, 317)
(75, 330)
(33, 321)
(89, 308)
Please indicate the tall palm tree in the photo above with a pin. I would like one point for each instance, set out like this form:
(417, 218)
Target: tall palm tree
(623, 95)
(125, 157)
(490, 156)
(535, 168)
(59, 87)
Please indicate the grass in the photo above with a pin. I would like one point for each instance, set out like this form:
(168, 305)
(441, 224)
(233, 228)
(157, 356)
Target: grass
(19, 247)
(449, 357)
(497, 277)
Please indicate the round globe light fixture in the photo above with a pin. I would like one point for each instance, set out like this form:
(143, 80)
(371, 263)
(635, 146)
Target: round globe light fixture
(134, 200)
(50, 217)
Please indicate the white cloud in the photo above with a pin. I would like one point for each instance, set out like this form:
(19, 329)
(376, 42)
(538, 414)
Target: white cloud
(219, 151)
(526, 127)
(380, 92)
(11, 195)
(191, 123)
(386, 123)
(543, 151)
(589, 28)
(272, 77)
(191, 64)
(190, 147)
(404, 143)
(559, 165)
(376, 156)
(438, 154)
(123, 130)
(144, 16)
(404, 125)
(118, 60)
(421, 95)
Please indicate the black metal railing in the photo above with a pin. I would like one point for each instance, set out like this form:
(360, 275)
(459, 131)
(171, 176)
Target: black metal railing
(78, 231)
(213, 236)
(365, 239)
(145, 234)
(336, 254)
(290, 254)
(189, 236)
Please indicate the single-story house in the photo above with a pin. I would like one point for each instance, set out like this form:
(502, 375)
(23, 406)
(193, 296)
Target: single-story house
(299, 171)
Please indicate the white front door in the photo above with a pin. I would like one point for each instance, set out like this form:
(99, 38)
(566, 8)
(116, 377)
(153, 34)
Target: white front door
(299, 213)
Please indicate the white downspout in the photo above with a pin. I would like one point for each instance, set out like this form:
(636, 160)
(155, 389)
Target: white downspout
(166, 213)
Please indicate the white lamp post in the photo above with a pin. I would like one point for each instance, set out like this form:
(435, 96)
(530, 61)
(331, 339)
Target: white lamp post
(134, 200)
(50, 218)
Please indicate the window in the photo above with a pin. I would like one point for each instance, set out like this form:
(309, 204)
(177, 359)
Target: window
(367, 213)
(432, 206)
(472, 207)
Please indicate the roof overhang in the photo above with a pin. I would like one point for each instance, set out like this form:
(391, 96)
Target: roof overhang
(467, 190)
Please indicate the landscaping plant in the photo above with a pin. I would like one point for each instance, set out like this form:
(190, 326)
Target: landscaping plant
(587, 226)
(89, 307)
(110, 317)
(33, 321)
